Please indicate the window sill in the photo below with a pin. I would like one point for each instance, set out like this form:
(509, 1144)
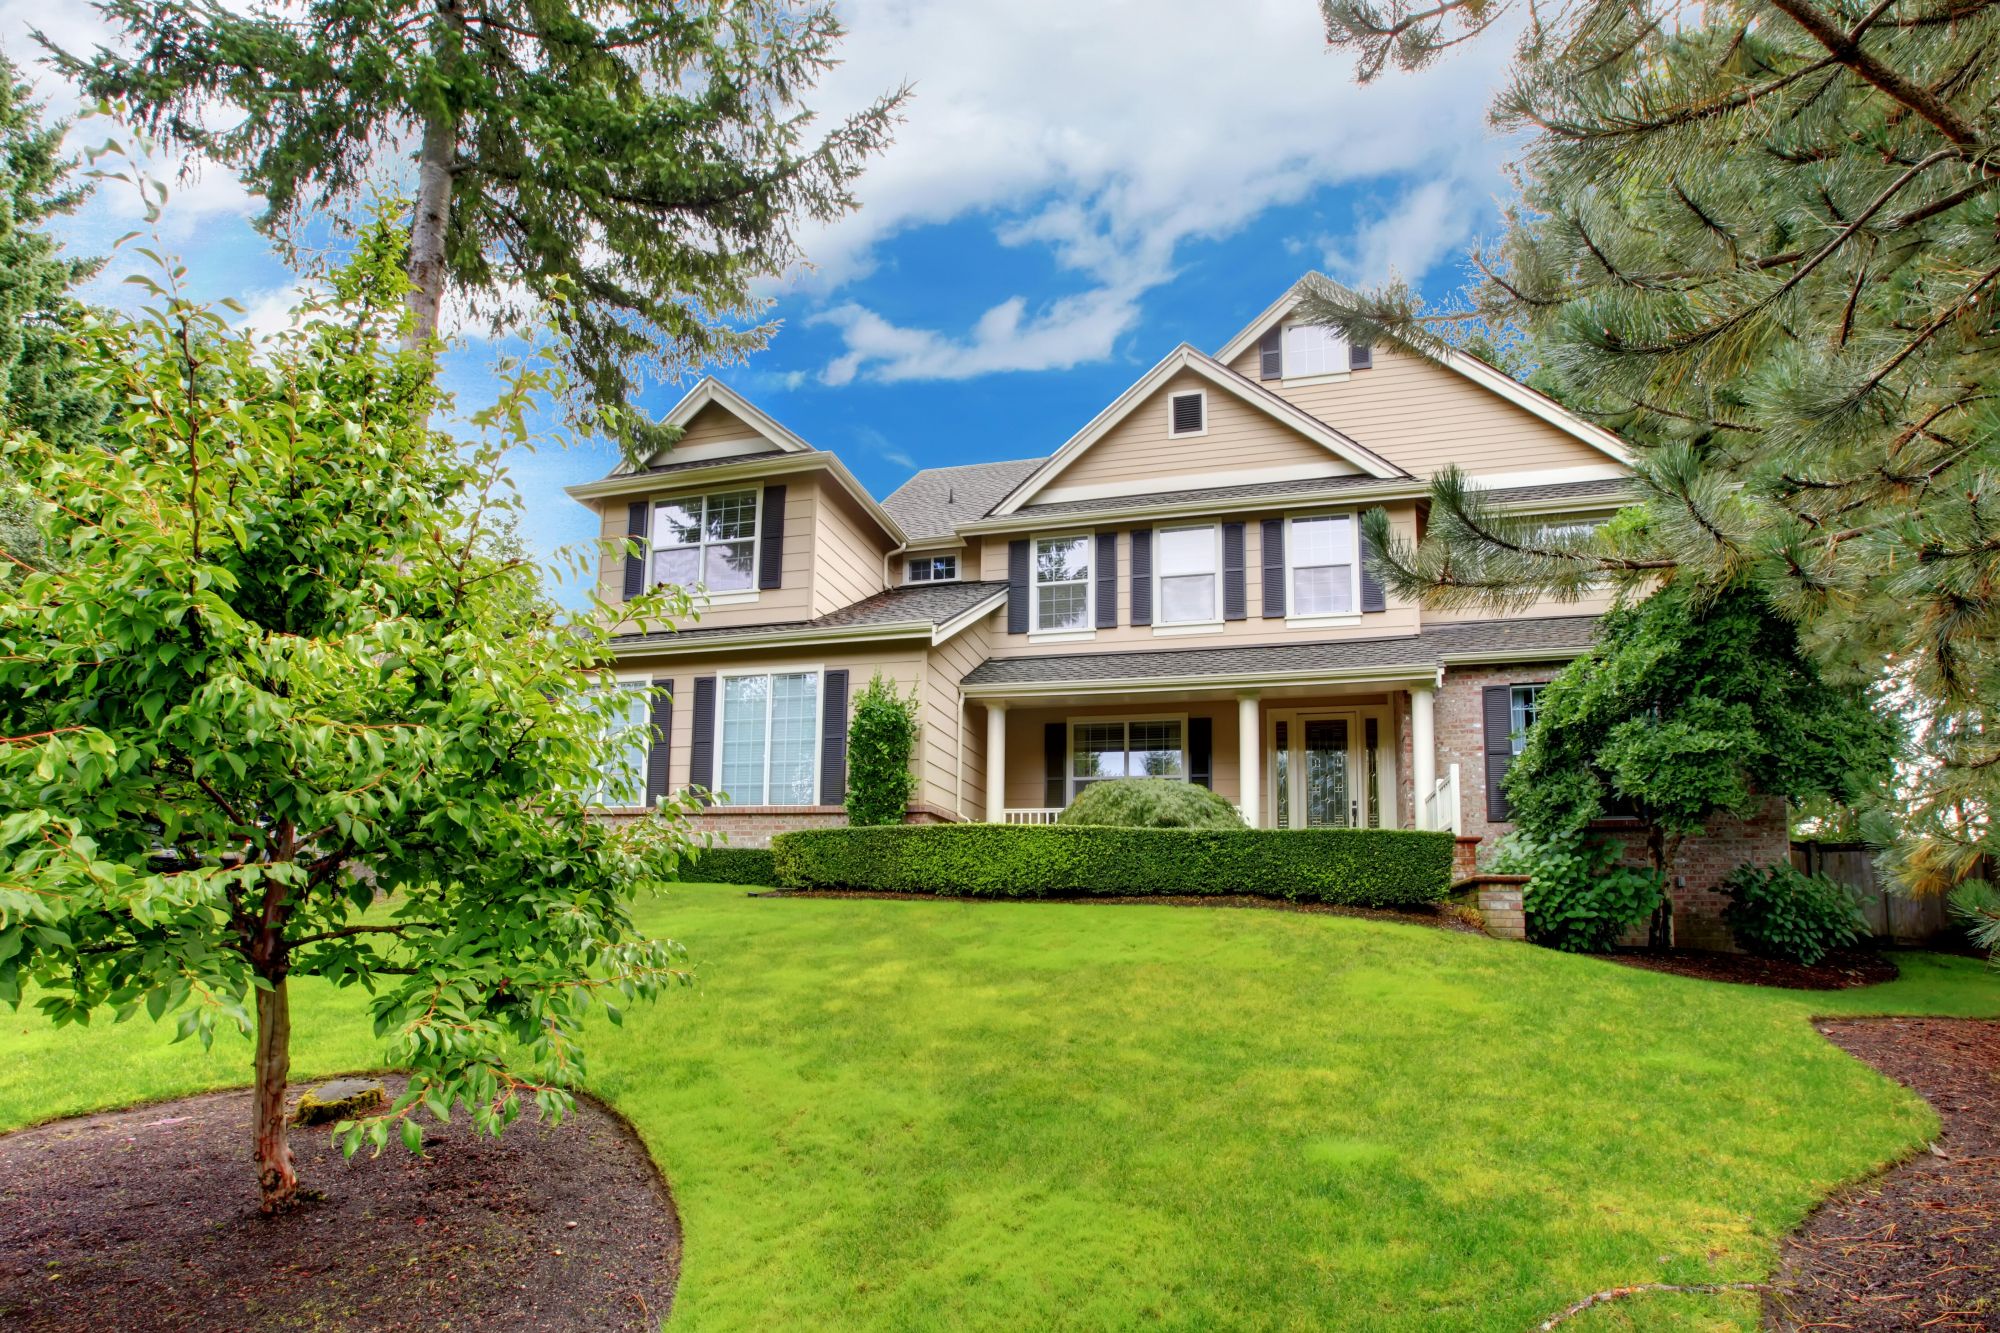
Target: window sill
(1061, 635)
(1193, 627)
(742, 597)
(1301, 381)
(1322, 622)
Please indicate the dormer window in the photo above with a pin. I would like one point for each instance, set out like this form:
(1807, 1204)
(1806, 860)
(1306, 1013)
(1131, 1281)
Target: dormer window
(707, 541)
(1187, 414)
(1312, 350)
(930, 568)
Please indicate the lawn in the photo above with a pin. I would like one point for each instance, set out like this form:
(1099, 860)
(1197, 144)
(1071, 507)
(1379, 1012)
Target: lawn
(918, 1115)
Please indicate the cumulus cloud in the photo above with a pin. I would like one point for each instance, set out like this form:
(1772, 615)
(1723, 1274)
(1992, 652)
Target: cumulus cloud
(1426, 225)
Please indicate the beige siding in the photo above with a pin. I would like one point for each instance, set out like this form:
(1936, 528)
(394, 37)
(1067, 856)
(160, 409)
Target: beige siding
(1138, 454)
(1399, 617)
(952, 740)
(1421, 416)
(848, 562)
(790, 601)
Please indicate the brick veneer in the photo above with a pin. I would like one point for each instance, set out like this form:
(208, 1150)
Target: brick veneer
(756, 825)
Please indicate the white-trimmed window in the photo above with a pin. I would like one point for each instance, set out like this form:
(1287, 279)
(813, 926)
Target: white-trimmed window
(1312, 350)
(1138, 747)
(1188, 563)
(1062, 583)
(769, 737)
(1187, 414)
(707, 541)
(930, 568)
(1324, 575)
(1525, 703)
(629, 725)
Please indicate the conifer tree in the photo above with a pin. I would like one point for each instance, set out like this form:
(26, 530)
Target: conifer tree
(1761, 241)
(635, 167)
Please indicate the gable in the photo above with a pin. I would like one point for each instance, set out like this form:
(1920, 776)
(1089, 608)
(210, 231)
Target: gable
(715, 432)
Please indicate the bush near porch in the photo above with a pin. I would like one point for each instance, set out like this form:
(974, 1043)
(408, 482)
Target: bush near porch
(1351, 867)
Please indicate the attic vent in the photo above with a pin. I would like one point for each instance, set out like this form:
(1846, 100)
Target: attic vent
(1187, 414)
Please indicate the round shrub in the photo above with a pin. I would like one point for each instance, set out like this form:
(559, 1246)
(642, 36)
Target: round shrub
(1151, 803)
(1578, 898)
(1781, 912)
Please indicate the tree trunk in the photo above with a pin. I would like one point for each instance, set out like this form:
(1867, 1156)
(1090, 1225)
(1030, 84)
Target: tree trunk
(1660, 937)
(427, 228)
(276, 1178)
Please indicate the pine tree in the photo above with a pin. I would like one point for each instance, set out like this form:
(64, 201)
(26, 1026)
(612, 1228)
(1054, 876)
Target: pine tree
(634, 167)
(1761, 242)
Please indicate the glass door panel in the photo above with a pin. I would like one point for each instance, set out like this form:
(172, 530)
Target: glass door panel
(1327, 780)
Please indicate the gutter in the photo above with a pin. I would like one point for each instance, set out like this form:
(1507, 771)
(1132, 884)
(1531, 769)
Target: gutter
(1250, 504)
(1425, 674)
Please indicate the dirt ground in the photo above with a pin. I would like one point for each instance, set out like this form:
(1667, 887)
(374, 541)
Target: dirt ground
(1837, 971)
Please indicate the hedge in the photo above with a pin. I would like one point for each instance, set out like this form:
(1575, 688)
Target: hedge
(731, 865)
(1355, 867)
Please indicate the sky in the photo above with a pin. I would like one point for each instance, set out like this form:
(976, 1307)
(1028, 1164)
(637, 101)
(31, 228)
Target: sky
(1076, 188)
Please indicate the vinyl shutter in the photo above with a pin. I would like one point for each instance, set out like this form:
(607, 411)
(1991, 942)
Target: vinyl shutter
(1371, 587)
(659, 757)
(635, 547)
(1017, 586)
(1499, 725)
(771, 540)
(1274, 569)
(1107, 580)
(1234, 596)
(1271, 355)
(1142, 578)
(833, 739)
(1055, 758)
(701, 748)
(1201, 751)
(1360, 357)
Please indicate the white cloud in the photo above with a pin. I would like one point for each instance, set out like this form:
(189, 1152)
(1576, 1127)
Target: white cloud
(1428, 224)
(1113, 133)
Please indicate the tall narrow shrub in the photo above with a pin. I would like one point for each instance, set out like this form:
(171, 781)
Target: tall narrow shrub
(879, 742)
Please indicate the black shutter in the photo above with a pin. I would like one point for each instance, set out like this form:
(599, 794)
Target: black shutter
(1274, 569)
(635, 547)
(1271, 355)
(1371, 587)
(833, 739)
(1360, 357)
(1017, 586)
(771, 540)
(659, 758)
(701, 748)
(1055, 760)
(1201, 751)
(1107, 580)
(1142, 577)
(1499, 722)
(1234, 606)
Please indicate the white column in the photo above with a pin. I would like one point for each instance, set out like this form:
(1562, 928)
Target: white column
(1423, 748)
(1249, 765)
(996, 761)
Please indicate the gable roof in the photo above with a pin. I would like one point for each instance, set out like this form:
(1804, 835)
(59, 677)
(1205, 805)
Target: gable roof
(1482, 373)
(938, 500)
(933, 610)
(1251, 393)
(713, 390)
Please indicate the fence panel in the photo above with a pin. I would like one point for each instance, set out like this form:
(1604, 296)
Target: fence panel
(1891, 916)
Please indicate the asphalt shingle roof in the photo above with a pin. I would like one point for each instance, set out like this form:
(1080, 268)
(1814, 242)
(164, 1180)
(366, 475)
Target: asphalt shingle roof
(925, 603)
(1611, 488)
(1218, 494)
(1556, 634)
(935, 501)
(654, 469)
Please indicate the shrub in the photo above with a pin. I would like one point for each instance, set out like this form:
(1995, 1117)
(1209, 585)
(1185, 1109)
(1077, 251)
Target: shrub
(1781, 912)
(731, 865)
(1356, 867)
(1510, 854)
(1151, 803)
(1579, 899)
(879, 741)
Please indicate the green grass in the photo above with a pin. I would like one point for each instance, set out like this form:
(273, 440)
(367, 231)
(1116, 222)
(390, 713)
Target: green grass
(919, 1115)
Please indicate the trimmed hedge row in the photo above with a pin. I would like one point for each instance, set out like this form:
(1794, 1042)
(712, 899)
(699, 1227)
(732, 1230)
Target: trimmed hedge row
(732, 865)
(1354, 867)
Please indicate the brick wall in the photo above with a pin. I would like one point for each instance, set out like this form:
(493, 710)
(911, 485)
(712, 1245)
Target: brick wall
(756, 825)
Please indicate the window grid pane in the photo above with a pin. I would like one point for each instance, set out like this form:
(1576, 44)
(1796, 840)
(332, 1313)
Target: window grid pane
(1311, 350)
(707, 542)
(1525, 704)
(794, 715)
(745, 702)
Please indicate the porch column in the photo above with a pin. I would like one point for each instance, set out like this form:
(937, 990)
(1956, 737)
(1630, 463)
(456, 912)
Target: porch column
(1423, 750)
(1249, 767)
(996, 761)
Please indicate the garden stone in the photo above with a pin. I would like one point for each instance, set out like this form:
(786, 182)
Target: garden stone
(340, 1099)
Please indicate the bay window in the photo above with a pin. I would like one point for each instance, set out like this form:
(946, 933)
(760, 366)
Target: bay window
(629, 726)
(1325, 575)
(1062, 583)
(769, 735)
(707, 541)
(1126, 748)
(1189, 569)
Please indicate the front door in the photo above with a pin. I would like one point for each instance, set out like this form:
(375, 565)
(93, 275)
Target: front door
(1324, 767)
(1327, 779)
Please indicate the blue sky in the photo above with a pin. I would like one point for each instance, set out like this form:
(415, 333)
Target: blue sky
(1075, 190)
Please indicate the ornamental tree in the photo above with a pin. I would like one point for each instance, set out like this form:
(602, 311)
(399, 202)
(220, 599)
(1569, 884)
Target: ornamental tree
(1759, 241)
(879, 743)
(280, 708)
(634, 167)
(1687, 710)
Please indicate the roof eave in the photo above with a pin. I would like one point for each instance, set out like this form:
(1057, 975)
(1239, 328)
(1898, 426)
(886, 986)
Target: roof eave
(1417, 673)
(908, 629)
(1400, 490)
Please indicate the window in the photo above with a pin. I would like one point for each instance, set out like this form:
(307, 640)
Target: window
(1525, 702)
(1188, 563)
(1187, 414)
(770, 738)
(707, 541)
(630, 726)
(1128, 748)
(1324, 573)
(1312, 350)
(1062, 583)
(930, 569)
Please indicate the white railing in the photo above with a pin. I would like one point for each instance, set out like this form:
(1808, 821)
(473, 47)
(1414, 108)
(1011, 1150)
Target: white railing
(1439, 807)
(1031, 815)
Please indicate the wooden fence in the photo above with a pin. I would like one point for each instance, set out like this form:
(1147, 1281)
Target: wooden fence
(1891, 916)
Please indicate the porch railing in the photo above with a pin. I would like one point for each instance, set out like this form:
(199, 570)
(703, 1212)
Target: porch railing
(1031, 814)
(1439, 808)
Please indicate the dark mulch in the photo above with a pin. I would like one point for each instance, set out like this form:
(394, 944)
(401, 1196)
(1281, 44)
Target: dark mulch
(1444, 916)
(1918, 1247)
(1837, 971)
(147, 1219)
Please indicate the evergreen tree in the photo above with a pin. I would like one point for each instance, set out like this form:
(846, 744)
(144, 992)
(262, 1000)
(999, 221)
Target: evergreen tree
(1761, 241)
(635, 167)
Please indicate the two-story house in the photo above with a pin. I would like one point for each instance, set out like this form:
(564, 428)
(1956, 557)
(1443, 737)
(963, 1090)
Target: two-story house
(1179, 590)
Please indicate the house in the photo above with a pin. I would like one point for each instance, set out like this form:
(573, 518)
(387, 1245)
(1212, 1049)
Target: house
(1178, 590)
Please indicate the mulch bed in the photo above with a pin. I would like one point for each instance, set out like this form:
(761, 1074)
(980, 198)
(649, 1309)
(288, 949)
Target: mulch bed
(1442, 917)
(147, 1219)
(1918, 1247)
(1837, 971)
